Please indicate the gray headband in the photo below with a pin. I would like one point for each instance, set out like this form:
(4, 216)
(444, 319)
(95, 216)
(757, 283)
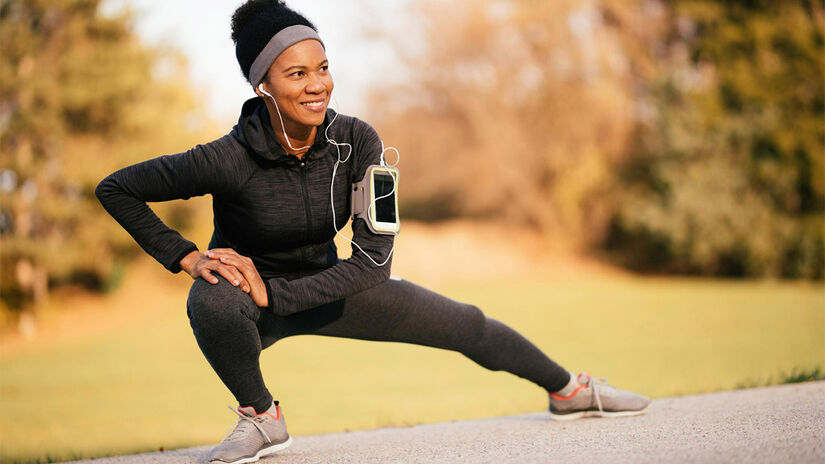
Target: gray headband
(279, 42)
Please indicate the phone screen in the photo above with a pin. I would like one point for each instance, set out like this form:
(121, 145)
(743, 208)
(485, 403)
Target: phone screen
(384, 207)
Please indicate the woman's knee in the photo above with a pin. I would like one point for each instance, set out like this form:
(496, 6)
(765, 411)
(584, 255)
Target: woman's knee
(209, 303)
(475, 321)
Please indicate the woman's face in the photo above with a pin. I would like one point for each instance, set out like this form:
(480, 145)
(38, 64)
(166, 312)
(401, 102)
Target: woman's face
(300, 81)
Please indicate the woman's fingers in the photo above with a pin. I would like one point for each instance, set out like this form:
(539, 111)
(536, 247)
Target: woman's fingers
(249, 272)
(232, 274)
(252, 282)
(216, 253)
(256, 287)
(230, 256)
(207, 276)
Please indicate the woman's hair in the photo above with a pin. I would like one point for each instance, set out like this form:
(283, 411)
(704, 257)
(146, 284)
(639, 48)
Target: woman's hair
(255, 22)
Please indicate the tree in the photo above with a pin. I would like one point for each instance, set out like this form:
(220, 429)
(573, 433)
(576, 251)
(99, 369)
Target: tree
(680, 136)
(728, 178)
(80, 96)
(515, 110)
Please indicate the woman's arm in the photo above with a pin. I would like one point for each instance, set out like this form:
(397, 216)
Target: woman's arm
(209, 168)
(351, 275)
(346, 278)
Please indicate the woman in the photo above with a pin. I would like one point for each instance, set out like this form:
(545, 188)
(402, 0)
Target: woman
(272, 269)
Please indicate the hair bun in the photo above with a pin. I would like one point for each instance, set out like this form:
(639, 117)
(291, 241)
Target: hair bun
(255, 22)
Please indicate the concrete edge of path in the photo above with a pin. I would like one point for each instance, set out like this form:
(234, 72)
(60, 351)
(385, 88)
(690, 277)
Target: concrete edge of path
(784, 423)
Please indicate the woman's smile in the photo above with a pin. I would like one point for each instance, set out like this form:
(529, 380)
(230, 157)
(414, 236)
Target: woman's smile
(301, 85)
(316, 106)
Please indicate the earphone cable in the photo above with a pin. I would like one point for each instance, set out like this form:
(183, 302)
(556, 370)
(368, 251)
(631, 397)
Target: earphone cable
(335, 170)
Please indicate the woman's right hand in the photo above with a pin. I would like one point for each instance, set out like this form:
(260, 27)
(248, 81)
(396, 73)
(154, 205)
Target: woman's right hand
(197, 264)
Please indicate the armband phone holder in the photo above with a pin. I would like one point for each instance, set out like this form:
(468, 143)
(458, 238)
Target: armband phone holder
(375, 199)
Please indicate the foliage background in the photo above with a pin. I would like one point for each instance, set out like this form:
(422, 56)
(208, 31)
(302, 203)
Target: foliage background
(678, 137)
(682, 137)
(80, 97)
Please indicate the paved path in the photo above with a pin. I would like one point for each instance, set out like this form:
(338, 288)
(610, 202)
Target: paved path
(773, 424)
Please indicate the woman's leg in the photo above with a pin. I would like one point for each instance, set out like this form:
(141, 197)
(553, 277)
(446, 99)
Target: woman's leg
(401, 311)
(223, 319)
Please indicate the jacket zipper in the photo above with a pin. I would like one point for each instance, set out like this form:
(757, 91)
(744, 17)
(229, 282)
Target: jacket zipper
(307, 208)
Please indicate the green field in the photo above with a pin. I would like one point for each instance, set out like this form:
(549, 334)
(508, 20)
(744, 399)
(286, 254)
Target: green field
(143, 384)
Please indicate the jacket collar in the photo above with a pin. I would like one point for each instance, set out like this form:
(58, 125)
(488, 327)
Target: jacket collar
(254, 131)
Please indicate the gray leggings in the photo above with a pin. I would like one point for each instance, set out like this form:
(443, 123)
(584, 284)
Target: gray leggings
(231, 331)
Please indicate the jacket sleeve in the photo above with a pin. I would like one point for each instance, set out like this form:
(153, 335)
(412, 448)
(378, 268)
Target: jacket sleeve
(198, 171)
(351, 275)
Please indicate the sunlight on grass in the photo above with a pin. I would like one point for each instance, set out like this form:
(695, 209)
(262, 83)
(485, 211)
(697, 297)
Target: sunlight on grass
(144, 385)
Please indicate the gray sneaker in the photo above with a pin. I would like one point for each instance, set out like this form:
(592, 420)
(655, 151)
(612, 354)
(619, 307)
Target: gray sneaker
(595, 397)
(254, 436)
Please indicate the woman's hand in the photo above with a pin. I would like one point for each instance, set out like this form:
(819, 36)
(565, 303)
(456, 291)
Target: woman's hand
(251, 281)
(197, 264)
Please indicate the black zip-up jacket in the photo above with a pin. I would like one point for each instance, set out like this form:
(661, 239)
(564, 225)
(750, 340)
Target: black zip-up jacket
(268, 205)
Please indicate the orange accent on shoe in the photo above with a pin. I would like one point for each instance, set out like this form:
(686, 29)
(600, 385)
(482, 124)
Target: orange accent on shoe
(277, 410)
(277, 415)
(562, 398)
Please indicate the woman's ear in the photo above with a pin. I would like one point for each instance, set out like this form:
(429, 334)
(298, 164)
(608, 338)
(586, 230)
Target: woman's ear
(261, 92)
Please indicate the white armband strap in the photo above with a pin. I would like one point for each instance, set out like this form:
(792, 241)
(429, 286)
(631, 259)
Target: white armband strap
(375, 199)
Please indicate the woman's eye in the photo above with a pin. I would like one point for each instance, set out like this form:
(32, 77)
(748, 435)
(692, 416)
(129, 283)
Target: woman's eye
(297, 73)
(325, 68)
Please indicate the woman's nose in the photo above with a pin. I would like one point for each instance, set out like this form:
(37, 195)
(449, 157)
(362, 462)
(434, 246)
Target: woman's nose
(315, 85)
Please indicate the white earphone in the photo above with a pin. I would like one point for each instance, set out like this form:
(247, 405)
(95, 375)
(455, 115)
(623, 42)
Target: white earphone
(335, 169)
(280, 118)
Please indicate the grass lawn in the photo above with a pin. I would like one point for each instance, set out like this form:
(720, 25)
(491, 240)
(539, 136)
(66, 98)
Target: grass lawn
(132, 378)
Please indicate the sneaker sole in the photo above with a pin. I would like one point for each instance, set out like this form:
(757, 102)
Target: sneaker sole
(263, 452)
(596, 413)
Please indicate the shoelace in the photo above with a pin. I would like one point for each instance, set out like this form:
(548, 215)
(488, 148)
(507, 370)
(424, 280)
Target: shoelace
(596, 383)
(239, 426)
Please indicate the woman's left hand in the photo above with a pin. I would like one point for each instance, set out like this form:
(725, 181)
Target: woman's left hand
(257, 288)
